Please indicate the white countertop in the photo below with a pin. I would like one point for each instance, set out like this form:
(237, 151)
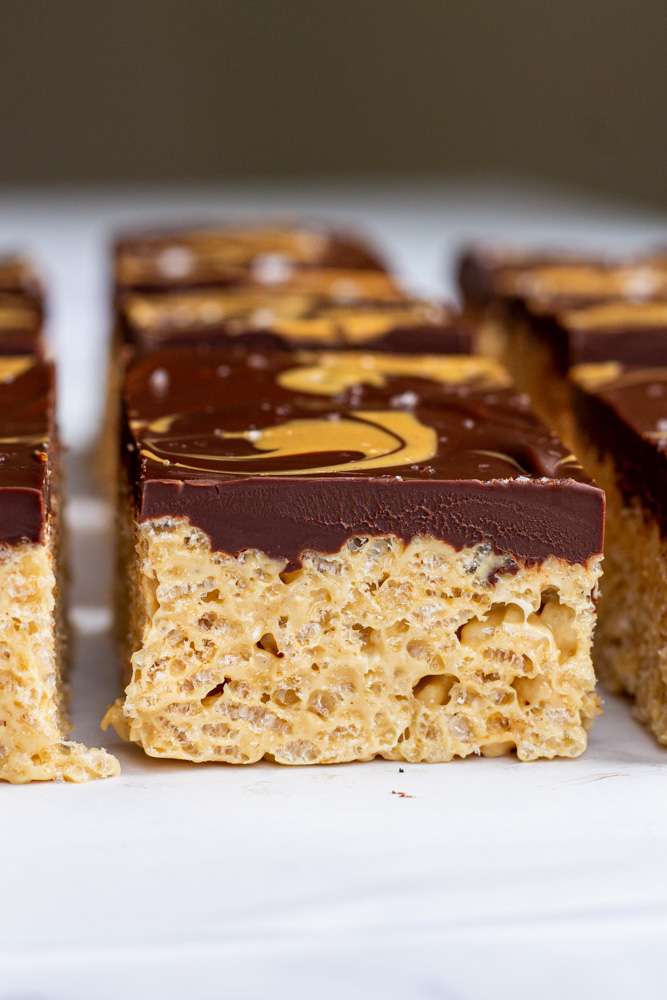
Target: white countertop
(546, 880)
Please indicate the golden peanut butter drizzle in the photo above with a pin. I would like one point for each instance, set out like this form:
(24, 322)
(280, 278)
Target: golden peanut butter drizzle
(385, 439)
(295, 315)
(595, 374)
(26, 439)
(15, 316)
(332, 373)
(617, 314)
(640, 281)
(244, 244)
(347, 285)
(329, 327)
(256, 306)
(12, 367)
(604, 373)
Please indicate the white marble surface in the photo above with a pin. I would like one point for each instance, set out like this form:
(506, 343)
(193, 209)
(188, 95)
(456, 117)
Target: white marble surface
(546, 880)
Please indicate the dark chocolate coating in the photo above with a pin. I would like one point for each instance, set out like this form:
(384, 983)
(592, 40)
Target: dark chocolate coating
(138, 257)
(495, 475)
(27, 443)
(625, 418)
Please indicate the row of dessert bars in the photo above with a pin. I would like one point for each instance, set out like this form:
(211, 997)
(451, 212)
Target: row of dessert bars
(343, 533)
(587, 337)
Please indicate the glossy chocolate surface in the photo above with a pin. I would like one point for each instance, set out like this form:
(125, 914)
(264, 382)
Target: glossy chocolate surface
(264, 318)
(232, 255)
(623, 413)
(27, 440)
(288, 452)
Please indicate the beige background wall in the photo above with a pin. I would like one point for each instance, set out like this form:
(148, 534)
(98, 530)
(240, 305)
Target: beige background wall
(121, 90)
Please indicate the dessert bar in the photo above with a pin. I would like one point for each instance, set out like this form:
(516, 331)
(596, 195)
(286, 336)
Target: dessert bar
(33, 728)
(621, 419)
(549, 343)
(333, 556)
(497, 278)
(262, 318)
(541, 316)
(238, 255)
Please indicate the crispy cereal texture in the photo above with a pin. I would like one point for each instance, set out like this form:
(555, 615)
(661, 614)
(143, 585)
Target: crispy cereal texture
(412, 652)
(33, 744)
(631, 641)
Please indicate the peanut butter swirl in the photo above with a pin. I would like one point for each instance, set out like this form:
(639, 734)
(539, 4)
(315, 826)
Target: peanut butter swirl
(382, 439)
(294, 315)
(334, 372)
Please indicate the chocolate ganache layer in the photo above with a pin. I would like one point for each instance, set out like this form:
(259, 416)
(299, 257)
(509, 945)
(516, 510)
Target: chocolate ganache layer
(286, 452)
(623, 413)
(27, 440)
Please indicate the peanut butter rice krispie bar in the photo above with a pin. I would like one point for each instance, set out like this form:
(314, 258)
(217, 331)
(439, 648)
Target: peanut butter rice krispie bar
(621, 419)
(33, 728)
(547, 314)
(333, 556)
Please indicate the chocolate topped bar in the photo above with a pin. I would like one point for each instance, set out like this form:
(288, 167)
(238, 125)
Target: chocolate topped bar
(622, 433)
(26, 441)
(623, 413)
(33, 690)
(232, 255)
(555, 281)
(264, 318)
(287, 452)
